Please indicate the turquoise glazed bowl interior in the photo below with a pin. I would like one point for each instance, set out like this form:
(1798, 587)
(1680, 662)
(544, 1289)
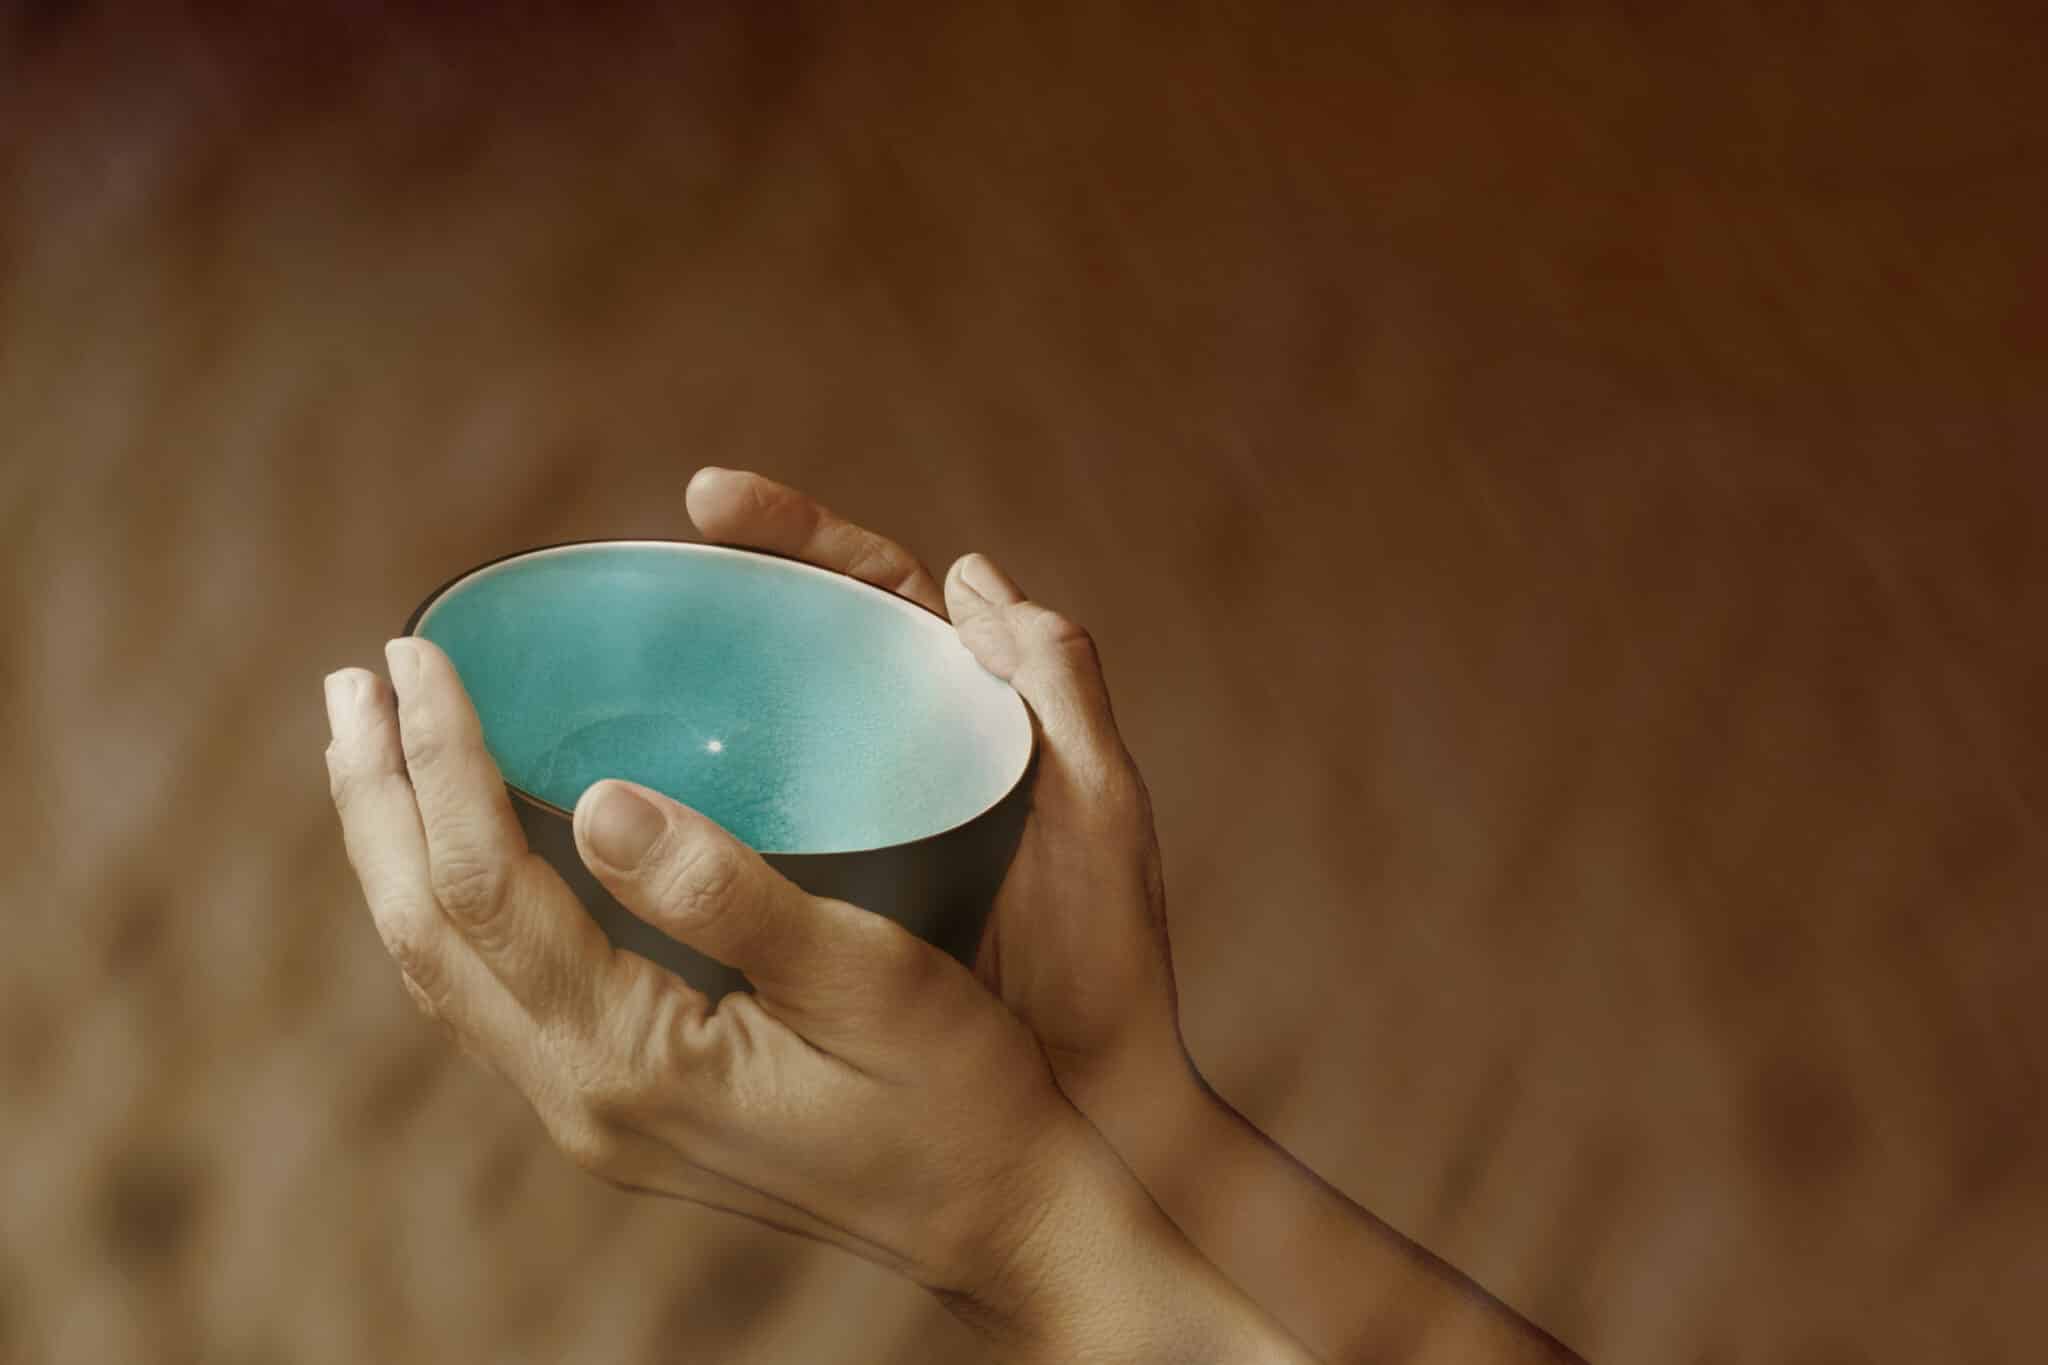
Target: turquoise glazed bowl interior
(805, 711)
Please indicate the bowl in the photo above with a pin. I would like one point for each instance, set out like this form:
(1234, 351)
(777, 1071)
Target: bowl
(841, 731)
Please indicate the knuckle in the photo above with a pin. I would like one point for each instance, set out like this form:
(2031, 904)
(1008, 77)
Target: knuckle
(425, 744)
(875, 560)
(907, 960)
(704, 873)
(470, 887)
(761, 498)
(886, 959)
(683, 1040)
(1060, 634)
(1057, 628)
(986, 634)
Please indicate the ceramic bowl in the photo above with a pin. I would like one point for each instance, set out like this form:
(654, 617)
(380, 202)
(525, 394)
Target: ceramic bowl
(843, 732)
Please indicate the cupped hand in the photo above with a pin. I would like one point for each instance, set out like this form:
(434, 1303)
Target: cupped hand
(1077, 942)
(869, 1092)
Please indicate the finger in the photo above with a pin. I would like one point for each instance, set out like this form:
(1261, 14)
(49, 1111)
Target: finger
(523, 924)
(827, 968)
(1053, 664)
(387, 847)
(738, 507)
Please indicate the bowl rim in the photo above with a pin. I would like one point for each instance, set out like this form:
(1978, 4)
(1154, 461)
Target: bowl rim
(1024, 769)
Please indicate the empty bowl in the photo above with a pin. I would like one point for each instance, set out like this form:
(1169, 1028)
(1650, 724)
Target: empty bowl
(844, 733)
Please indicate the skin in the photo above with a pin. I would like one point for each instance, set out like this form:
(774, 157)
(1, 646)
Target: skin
(1029, 1141)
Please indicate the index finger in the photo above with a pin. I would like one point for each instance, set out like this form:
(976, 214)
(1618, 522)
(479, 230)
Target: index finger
(503, 899)
(739, 507)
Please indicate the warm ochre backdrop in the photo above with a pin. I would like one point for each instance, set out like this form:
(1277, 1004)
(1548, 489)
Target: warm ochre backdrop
(1558, 488)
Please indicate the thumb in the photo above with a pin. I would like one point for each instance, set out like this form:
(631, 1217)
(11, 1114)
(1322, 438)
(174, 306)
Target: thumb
(823, 960)
(1053, 664)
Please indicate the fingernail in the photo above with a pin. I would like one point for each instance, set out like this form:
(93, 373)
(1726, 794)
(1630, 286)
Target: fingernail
(403, 657)
(623, 826)
(343, 690)
(980, 576)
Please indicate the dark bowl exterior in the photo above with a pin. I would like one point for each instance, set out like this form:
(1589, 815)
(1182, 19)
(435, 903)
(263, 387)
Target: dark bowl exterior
(940, 888)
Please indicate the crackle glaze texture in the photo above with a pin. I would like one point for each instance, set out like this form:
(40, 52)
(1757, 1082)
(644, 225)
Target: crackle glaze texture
(804, 711)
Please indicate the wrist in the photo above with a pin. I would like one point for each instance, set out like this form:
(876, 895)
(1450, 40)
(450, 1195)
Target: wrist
(1148, 1101)
(1033, 1256)
(1098, 1271)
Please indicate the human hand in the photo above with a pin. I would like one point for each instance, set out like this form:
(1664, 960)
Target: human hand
(1077, 941)
(869, 1093)
(1077, 946)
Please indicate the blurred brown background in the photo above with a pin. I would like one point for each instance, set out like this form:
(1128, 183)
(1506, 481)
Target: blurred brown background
(1558, 489)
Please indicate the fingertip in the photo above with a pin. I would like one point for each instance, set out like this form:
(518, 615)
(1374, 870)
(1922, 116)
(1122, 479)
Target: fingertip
(961, 600)
(979, 576)
(613, 805)
(350, 693)
(584, 812)
(606, 785)
(713, 496)
(402, 660)
(706, 478)
(622, 827)
(975, 599)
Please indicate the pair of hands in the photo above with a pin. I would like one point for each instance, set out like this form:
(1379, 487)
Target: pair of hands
(871, 1092)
